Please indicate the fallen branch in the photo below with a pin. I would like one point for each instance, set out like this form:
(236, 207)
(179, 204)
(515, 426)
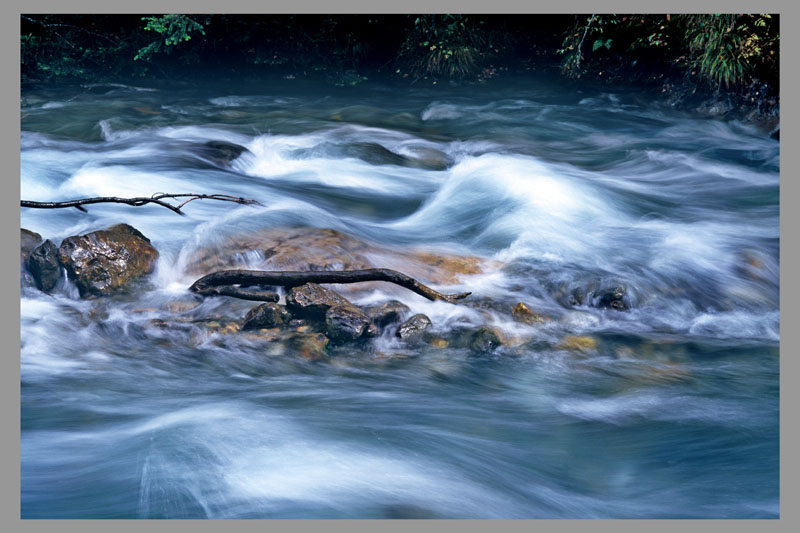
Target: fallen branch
(222, 282)
(141, 200)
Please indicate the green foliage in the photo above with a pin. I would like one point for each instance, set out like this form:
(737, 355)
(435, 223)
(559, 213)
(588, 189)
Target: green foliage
(727, 49)
(172, 29)
(446, 46)
(724, 50)
(53, 46)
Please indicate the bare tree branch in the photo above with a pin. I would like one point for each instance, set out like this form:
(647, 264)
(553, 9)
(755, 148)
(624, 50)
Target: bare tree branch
(141, 200)
(224, 280)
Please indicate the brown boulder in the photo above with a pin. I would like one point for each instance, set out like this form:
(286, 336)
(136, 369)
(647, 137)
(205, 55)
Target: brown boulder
(315, 249)
(414, 327)
(312, 300)
(346, 323)
(268, 315)
(103, 262)
(388, 313)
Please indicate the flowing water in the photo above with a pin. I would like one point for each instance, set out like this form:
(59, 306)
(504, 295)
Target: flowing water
(673, 412)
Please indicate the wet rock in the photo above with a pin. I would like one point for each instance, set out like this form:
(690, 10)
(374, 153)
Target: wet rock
(485, 340)
(43, 266)
(220, 326)
(414, 327)
(29, 240)
(714, 107)
(220, 153)
(316, 249)
(268, 315)
(372, 331)
(103, 262)
(388, 313)
(613, 298)
(312, 300)
(578, 344)
(522, 313)
(430, 159)
(440, 343)
(304, 249)
(178, 306)
(311, 346)
(373, 153)
(345, 323)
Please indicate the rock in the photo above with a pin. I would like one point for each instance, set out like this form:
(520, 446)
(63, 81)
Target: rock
(315, 249)
(312, 346)
(485, 340)
(414, 327)
(178, 306)
(372, 153)
(579, 344)
(221, 153)
(613, 298)
(522, 313)
(312, 300)
(430, 158)
(388, 313)
(29, 240)
(304, 249)
(372, 331)
(439, 343)
(103, 262)
(43, 266)
(268, 315)
(345, 323)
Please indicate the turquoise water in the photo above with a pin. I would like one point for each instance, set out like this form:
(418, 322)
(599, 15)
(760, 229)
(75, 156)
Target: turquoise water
(674, 414)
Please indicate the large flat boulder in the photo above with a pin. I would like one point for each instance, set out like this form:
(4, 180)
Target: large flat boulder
(319, 249)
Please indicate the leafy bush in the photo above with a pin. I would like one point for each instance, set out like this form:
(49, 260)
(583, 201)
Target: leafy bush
(174, 29)
(444, 46)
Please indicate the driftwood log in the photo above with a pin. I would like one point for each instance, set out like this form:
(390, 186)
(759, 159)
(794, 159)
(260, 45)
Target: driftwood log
(223, 283)
(157, 198)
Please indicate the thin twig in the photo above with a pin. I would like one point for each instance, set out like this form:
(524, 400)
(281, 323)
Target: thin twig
(140, 200)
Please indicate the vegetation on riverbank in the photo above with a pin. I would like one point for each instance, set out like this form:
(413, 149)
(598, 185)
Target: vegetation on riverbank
(733, 58)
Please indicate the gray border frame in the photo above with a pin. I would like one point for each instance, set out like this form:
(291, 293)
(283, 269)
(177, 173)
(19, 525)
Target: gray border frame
(9, 215)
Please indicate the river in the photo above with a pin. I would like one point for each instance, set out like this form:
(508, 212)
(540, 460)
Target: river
(672, 413)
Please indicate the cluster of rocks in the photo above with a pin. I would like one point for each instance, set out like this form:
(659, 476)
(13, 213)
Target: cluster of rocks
(99, 263)
(313, 318)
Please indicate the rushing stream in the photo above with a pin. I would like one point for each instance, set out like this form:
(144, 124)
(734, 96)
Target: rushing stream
(672, 412)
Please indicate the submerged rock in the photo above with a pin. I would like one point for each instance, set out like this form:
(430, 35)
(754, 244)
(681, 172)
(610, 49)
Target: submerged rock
(316, 249)
(578, 344)
(268, 315)
(220, 153)
(485, 340)
(312, 300)
(522, 313)
(311, 346)
(613, 298)
(103, 262)
(388, 313)
(414, 327)
(346, 323)
(43, 265)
